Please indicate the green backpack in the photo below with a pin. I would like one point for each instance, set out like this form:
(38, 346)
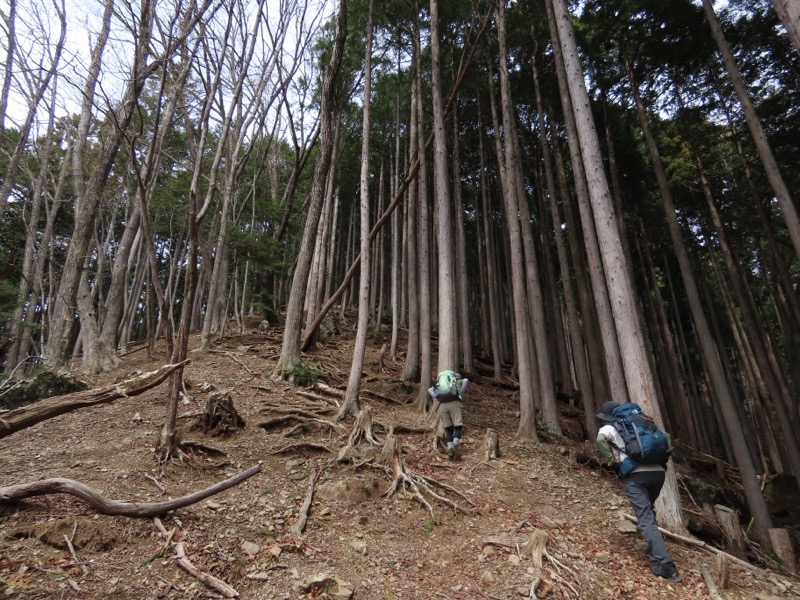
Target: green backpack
(447, 385)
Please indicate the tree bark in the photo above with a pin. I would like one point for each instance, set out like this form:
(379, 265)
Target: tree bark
(26, 416)
(636, 364)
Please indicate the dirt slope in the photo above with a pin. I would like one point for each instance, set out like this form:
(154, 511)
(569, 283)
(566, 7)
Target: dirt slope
(376, 547)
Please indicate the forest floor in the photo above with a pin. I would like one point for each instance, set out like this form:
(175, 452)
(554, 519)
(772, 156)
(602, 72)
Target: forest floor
(357, 542)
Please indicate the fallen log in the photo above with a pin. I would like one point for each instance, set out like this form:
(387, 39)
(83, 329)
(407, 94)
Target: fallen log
(26, 416)
(104, 506)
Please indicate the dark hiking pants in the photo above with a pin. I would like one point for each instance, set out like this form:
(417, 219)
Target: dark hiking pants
(642, 489)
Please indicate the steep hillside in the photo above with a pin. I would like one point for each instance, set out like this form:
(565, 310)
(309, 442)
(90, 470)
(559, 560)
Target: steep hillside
(358, 542)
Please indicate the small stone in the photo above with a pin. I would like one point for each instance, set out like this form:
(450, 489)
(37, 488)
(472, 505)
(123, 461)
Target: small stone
(275, 551)
(514, 560)
(137, 418)
(260, 576)
(213, 506)
(487, 550)
(250, 548)
(603, 557)
(626, 527)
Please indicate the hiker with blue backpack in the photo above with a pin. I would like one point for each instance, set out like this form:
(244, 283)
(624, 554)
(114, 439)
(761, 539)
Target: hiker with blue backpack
(448, 390)
(632, 444)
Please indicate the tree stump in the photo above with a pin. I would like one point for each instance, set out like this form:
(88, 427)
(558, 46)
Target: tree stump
(782, 545)
(732, 529)
(536, 547)
(220, 416)
(491, 445)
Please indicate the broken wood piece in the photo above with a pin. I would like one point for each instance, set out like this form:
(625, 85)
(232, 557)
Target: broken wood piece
(782, 546)
(302, 516)
(723, 571)
(710, 585)
(26, 416)
(184, 563)
(104, 506)
(491, 445)
(732, 530)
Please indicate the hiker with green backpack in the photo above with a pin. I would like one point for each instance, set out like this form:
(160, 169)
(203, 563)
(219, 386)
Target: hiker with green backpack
(448, 390)
(632, 444)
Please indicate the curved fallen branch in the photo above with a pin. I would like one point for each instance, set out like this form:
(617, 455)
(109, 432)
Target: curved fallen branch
(25, 416)
(104, 506)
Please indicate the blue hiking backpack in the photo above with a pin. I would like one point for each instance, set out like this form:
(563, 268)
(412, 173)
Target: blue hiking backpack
(645, 443)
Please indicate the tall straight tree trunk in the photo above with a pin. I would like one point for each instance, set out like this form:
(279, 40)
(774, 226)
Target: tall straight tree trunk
(491, 272)
(521, 300)
(763, 148)
(573, 325)
(462, 282)
(448, 312)
(423, 243)
(600, 301)
(755, 498)
(630, 334)
(86, 196)
(587, 314)
(411, 368)
(350, 406)
(290, 349)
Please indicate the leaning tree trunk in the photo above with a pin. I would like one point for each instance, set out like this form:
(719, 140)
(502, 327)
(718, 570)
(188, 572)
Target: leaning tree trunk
(636, 363)
(755, 498)
(789, 13)
(763, 148)
(599, 302)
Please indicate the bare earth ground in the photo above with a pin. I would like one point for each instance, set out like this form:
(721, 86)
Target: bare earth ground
(381, 548)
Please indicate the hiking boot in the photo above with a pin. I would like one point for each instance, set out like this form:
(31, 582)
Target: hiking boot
(455, 453)
(667, 571)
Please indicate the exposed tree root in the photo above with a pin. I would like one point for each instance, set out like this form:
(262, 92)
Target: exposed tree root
(301, 445)
(392, 461)
(104, 506)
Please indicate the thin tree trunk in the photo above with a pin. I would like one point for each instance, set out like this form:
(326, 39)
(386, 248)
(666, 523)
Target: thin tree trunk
(763, 148)
(351, 406)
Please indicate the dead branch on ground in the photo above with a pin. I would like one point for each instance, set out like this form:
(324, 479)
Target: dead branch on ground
(23, 417)
(699, 544)
(104, 506)
(297, 528)
(233, 357)
(184, 563)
